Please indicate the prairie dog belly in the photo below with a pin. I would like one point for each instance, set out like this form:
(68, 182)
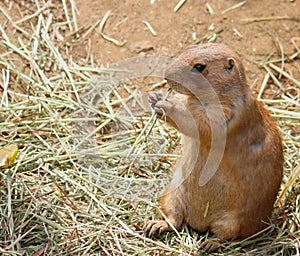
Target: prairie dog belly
(186, 179)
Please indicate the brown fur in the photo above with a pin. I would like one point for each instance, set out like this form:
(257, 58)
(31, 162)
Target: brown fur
(239, 198)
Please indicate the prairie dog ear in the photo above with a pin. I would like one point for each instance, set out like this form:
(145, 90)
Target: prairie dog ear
(230, 64)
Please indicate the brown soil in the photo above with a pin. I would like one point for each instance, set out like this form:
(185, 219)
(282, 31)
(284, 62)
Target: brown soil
(191, 24)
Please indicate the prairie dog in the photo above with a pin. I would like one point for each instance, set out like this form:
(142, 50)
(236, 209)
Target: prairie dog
(238, 199)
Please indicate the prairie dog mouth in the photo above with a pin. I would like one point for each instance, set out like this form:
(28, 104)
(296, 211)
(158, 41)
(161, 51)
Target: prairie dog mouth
(179, 88)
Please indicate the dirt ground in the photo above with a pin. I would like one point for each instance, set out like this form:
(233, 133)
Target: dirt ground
(192, 23)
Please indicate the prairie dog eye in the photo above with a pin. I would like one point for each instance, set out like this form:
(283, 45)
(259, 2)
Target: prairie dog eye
(198, 68)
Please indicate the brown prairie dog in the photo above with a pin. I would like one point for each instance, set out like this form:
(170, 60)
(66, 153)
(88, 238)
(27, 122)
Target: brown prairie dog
(238, 199)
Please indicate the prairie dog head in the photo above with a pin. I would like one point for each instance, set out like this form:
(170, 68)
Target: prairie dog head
(212, 65)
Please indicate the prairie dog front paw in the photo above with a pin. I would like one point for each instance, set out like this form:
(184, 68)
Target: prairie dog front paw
(160, 106)
(154, 97)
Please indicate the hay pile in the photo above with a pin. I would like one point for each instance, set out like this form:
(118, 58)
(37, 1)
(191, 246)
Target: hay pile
(91, 162)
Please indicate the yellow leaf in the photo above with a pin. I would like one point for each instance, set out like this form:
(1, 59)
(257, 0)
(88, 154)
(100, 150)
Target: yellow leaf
(8, 155)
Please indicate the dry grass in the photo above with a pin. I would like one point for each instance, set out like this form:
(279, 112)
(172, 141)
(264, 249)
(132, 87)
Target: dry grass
(87, 176)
